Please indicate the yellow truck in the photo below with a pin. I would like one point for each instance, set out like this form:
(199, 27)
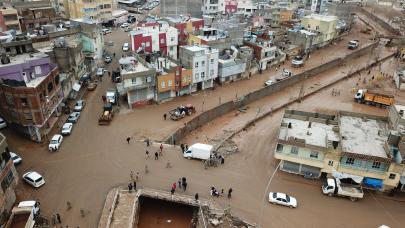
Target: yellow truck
(379, 99)
(107, 115)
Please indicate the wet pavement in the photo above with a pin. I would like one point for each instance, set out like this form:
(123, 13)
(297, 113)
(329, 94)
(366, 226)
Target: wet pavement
(96, 158)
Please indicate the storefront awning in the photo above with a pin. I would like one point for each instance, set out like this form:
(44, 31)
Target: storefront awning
(339, 175)
(76, 87)
(372, 182)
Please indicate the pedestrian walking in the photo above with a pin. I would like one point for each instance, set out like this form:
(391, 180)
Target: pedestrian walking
(164, 116)
(229, 193)
(179, 182)
(134, 185)
(172, 191)
(182, 147)
(114, 54)
(58, 218)
(184, 186)
(147, 154)
(156, 156)
(161, 150)
(147, 143)
(196, 196)
(183, 180)
(174, 185)
(129, 187)
(128, 139)
(109, 73)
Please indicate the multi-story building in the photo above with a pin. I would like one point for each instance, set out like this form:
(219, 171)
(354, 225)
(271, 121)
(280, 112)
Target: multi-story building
(185, 26)
(265, 52)
(9, 19)
(175, 8)
(155, 37)
(62, 7)
(231, 67)
(98, 10)
(30, 93)
(231, 6)
(138, 81)
(315, 31)
(213, 37)
(203, 61)
(34, 14)
(8, 180)
(247, 7)
(345, 145)
(317, 6)
(213, 7)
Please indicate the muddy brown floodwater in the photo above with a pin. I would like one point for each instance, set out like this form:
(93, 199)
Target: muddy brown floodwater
(163, 214)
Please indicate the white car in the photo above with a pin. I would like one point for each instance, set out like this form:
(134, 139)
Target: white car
(106, 31)
(125, 47)
(3, 123)
(287, 73)
(282, 199)
(100, 72)
(79, 106)
(33, 178)
(268, 83)
(124, 25)
(297, 61)
(67, 129)
(16, 159)
(55, 142)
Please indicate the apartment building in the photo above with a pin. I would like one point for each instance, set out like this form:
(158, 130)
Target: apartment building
(93, 9)
(155, 37)
(9, 19)
(203, 61)
(231, 67)
(185, 26)
(265, 52)
(8, 180)
(138, 81)
(213, 7)
(346, 145)
(213, 37)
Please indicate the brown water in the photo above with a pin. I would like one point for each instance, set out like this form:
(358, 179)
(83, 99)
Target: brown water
(163, 214)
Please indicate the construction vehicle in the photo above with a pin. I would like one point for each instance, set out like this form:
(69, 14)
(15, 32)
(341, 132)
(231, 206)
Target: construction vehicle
(107, 115)
(333, 187)
(181, 111)
(378, 99)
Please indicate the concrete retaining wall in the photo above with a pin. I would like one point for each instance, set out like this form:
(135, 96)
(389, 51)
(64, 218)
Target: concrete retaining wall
(380, 21)
(224, 108)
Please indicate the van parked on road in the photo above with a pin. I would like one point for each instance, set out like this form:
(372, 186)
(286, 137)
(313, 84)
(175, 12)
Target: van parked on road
(199, 151)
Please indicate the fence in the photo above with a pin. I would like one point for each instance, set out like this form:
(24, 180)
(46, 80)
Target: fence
(232, 105)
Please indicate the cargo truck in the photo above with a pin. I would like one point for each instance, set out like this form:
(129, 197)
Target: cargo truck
(333, 187)
(374, 98)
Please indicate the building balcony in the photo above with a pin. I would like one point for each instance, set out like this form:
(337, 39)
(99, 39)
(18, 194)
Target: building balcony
(362, 171)
(299, 159)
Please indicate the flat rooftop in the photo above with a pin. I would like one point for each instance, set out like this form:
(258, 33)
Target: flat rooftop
(131, 65)
(321, 17)
(363, 136)
(22, 58)
(317, 135)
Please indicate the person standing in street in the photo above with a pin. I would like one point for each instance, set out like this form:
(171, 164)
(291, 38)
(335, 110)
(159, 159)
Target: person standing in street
(172, 191)
(196, 196)
(229, 193)
(184, 186)
(156, 156)
(147, 154)
(147, 143)
(179, 182)
(134, 185)
(165, 116)
(128, 139)
(182, 147)
(58, 218)
(161, 150)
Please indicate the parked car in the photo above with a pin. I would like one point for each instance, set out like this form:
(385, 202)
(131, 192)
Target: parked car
(73, 117)
(107, 59)
(55, 142)
(124, 25)
(287, 73)
(91, 86)
(67, 129)
(353, 44)
(79, 106)
(282, 199)
(3, 123)
(297, 61)
(125, 47)
(106, 31)
(100, 72)
(268, 83)
(33, 178)
(16, 159)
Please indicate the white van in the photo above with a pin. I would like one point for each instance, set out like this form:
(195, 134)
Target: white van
(125, 47)
(199, 151)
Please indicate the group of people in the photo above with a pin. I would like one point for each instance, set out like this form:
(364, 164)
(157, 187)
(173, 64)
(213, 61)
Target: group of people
(181, 183)
(215, 192)
(184, 147)
(134, 179)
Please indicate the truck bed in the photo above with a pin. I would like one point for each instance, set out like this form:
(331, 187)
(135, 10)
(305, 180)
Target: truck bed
(350, 191)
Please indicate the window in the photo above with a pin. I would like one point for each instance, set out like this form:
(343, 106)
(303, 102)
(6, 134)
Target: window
(212, 72)
(313, 154)
(147, 44)
(169, 83)
(294, 150)
(376, 165)
(350, 161)
(202, 74)
(133, 80)
(50, 87)
(149, 79)
(38, 70)
(7, 181)
(162, 41)
(172, 39)
(177, 72)
(212, 61)
(203, 63)
(171, 48)
(330, 163)
(279, 147)
(196, 76)
(392, 176)
(196, 65)
(9, 100)
(24, 101)
(163, 85)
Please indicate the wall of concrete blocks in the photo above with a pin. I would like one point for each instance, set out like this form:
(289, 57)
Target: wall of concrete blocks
(229, 106)
(381, 22)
